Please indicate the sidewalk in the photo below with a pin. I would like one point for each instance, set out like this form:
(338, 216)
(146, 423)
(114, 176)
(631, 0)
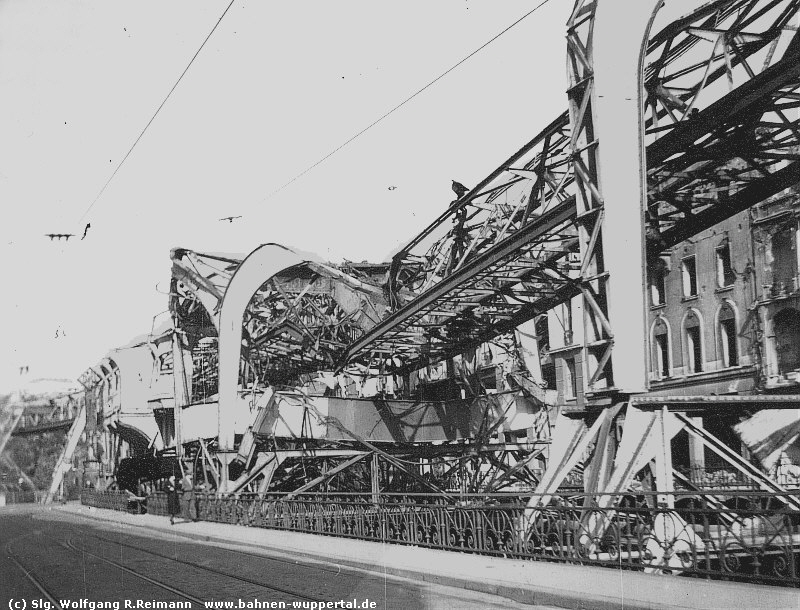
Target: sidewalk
(530, 582)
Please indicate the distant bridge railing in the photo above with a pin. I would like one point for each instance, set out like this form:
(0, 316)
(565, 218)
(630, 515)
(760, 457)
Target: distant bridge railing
(748, 536)
(30, 427)
(20, 497)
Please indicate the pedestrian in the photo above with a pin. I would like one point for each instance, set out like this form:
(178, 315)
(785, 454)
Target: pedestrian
(173, 500)
(187, 497)
(197, 491)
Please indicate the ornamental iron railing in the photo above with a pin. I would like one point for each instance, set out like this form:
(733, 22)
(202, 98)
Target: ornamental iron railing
(743, 536)
(718, 478)
(21, 497)
(113, 500)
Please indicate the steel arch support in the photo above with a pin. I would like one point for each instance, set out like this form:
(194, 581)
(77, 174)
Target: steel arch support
(605, 63)
(259, 266)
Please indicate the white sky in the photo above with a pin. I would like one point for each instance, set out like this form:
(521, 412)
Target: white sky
(277, 87)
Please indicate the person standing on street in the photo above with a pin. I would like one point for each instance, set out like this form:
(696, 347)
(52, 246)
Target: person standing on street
(197, 492)
(173, 500)
(187, 497)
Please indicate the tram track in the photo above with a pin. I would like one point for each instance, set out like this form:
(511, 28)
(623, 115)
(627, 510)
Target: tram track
(75, 564)
(307, 563)
(349, 578)
(29, 574)
(212, 570)
(46, 592)
(69, 545)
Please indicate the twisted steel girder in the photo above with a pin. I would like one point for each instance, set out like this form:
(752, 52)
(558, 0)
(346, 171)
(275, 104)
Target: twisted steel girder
(296, 321)
(452, 289)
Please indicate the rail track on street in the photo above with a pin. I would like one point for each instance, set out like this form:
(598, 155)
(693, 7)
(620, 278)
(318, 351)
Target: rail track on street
(74, 565)
(28, 573)
(47, 590)
(250, 554)
(71, 546)
(220, 573)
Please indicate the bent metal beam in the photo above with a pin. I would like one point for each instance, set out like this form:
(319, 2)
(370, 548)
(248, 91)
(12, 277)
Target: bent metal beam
(259, 266)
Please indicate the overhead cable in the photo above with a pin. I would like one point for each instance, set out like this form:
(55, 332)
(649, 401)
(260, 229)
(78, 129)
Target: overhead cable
(405, 101)
(155, 114)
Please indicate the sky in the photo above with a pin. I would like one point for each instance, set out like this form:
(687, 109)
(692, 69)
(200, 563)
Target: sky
(276, 88)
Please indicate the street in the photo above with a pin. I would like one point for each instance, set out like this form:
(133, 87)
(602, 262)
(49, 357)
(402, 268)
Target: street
(54, 558)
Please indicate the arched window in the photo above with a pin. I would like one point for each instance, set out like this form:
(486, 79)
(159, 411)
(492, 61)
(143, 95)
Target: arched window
(729, 346)
(693, 341)
(661, 360)
(787, 339)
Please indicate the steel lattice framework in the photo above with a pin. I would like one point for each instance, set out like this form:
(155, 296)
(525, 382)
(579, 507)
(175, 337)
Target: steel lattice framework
(496, 257)
(723, 90)
(719, 95)
(297, 322)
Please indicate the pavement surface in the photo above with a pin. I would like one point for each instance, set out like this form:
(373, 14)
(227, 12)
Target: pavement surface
(53, 559)
(539, 584)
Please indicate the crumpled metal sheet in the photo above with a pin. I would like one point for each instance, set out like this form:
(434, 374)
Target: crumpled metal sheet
(771, 432)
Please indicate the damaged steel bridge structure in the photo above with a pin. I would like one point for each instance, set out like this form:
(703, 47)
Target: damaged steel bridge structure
(293, 375)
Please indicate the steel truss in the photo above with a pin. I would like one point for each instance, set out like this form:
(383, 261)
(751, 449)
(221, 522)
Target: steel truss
(496, 257)
(297, 322)
(444, 471)
(720, 137)
(294, 315)
(307, 457)
(723, 92)
(709, 117)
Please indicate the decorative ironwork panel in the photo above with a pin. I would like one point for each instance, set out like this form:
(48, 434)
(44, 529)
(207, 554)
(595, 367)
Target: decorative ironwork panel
(726, 534)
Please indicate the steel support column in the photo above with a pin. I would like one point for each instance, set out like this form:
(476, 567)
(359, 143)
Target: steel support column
(263, 263)
(181, 387)
(605, 59)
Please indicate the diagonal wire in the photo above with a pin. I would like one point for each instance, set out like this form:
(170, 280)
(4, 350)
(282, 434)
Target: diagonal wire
(404, 102)
(155, 114)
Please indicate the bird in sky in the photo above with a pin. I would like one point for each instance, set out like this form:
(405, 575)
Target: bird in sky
(59, 236)
(459, 189)
(86, 230)
(230, 219)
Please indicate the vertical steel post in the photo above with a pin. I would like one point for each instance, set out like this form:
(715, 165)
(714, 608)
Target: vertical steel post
(664, 482)
(697, 458)
(604, 60)
(376, 481)
(181, 386)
